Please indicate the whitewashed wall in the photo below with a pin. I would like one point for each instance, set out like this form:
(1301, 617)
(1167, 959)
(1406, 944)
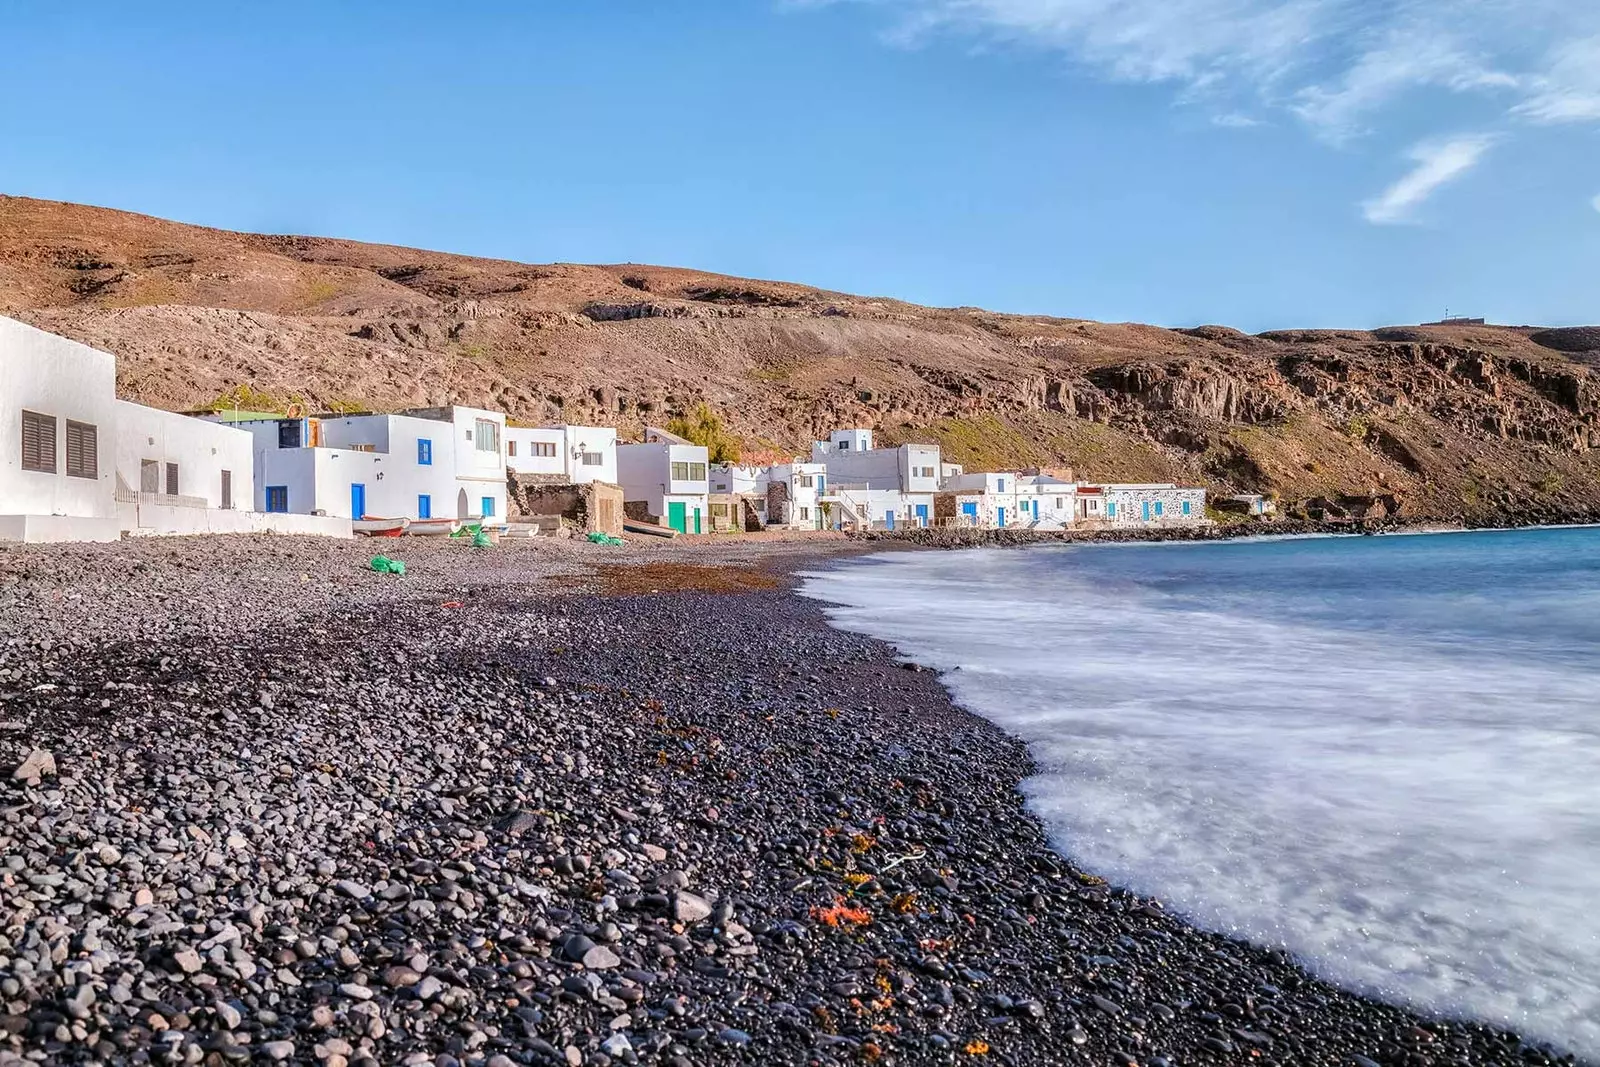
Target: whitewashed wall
(54, 376)
(202, 450)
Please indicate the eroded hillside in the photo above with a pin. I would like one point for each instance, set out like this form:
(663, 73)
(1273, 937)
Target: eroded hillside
(1482, 423)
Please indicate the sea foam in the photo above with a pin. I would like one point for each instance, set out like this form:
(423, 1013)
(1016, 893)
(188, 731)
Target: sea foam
(1381, 754)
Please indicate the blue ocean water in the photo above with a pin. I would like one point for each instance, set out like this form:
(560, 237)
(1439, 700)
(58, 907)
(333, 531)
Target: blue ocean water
(1381, 753)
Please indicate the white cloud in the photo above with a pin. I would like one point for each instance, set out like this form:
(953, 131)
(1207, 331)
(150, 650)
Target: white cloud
(1235, 120)
(1569, 88)
(1338, 65)
(1437, 163)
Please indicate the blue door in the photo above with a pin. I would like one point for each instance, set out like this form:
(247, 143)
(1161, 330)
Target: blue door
(1001, 513)
(922, 514)
(1146, 510)
(358, 500)
(888, 519)
(424, 506)
(970, 511)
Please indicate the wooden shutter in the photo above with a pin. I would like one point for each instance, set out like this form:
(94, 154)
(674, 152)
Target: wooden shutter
(83, 460)
(227, 490)
(172, 479)
(38, 442)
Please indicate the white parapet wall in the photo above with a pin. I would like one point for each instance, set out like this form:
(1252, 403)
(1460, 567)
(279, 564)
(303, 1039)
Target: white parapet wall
(152, 517)
(39, 529)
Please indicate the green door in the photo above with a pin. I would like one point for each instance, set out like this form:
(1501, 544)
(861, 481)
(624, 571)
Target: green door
(676, 517)
(696, 520)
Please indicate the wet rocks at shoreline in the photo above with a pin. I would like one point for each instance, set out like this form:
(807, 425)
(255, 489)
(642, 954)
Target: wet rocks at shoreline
(563, 829)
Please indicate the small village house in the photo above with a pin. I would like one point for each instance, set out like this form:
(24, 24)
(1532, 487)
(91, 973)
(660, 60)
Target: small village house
(1153, 504)
(567, 454)
(563, 478)
(877, 488)
(480, 459)
(78, 464)
(784, 496)
(665, 480)
(428, 463)
(985, 500)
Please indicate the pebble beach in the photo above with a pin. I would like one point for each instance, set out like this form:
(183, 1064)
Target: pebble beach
(555, 803)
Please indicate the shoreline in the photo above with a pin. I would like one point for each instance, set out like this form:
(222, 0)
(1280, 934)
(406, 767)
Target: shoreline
(676, 824)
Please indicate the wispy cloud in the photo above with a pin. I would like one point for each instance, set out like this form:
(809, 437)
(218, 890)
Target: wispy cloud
(1235, 120)
(1436, 164)
(1595, 203)
(1568, 90)
(1336, 64)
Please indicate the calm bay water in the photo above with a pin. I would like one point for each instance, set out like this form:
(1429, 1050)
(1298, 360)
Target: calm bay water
(1380, 753)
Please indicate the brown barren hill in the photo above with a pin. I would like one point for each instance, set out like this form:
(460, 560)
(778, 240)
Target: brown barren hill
(1482, 423)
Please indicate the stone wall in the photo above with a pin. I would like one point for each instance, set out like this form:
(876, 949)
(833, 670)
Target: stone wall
(587, 508)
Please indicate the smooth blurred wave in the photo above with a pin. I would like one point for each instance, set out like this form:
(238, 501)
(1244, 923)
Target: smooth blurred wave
(1382, 754)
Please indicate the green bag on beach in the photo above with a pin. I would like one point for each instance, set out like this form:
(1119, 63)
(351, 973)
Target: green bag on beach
(385, 565)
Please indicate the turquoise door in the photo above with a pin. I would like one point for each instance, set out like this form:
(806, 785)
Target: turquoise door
(358, 500)
(696, 520)
(677, 516)
(1146, 511)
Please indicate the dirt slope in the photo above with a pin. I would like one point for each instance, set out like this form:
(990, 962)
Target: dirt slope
(1481, 423)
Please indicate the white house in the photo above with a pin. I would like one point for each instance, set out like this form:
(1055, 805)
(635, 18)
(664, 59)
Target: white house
(985, 500)
(1145, 504)
(573, 454)
(877, 488)
(786, 495)
(423, 464)
(78, 464)
(58, 415)
(480, 460)
(848, 456)
(1046, 501)
(668, 478)
(797, 505)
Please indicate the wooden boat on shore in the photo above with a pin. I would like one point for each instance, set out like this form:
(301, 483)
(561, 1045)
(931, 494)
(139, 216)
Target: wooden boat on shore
(372, 526)
(432, 527)
(650, 528)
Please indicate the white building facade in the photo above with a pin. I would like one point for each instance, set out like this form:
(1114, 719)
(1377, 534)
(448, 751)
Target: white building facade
(669, 478)
(576, 454)
(478, 445)
(77, 464)
(1145, 504)
(58, 417)
(877, 488)
(786, 496)
(432, 463)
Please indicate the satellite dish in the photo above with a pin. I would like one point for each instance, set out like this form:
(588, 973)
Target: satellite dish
(295, 411)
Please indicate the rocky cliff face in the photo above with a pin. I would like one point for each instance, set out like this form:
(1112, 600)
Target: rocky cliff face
(1482, 423)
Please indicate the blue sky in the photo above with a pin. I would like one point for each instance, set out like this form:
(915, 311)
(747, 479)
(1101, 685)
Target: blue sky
(1260, 163)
